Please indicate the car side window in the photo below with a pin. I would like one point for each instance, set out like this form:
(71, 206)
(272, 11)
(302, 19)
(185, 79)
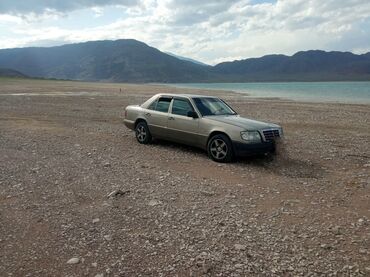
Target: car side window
(153, 105)
(163, 104)
(181, 107)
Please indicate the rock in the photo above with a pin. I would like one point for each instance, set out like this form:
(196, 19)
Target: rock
(154, 203)
(94, 264)
(206, 268)
(362, 251)
(366, 165)
(337, 230)
(117, 192)
(326, 246)
(240, 247)
(95, 220)
(107, 164)
(99, 275)
(73, 261)
(108, 237)
(207, 193)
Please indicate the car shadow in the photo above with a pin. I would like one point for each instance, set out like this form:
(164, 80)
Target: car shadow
(279, 163)
(178, 146)
(283, 165)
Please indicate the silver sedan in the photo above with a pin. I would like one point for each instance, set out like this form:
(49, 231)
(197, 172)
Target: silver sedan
(202, 121)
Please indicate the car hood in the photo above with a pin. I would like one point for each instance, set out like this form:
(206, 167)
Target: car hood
(242, 122)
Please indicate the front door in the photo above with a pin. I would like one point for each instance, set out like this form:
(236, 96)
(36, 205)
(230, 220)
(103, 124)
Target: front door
(181, 127)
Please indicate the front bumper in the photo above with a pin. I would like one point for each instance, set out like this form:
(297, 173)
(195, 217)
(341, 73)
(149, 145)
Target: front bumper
(247, 149)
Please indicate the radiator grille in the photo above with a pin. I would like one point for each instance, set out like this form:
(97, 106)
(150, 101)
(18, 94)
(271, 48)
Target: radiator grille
(270, 135)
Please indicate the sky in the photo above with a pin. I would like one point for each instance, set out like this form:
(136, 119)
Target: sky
(205, 30)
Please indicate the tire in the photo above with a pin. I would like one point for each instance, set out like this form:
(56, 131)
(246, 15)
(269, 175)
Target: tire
(220, 149)
(142, 133)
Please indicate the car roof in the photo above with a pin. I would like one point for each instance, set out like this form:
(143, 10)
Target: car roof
(184, 95)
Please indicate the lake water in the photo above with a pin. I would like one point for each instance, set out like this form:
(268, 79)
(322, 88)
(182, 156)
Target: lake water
(342, 92)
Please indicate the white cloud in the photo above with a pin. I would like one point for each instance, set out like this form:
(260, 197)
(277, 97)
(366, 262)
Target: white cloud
(211, 31)
(98, 11)
(7, 18)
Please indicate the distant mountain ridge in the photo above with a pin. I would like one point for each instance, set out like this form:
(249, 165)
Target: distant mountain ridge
(6, 72)
(117, 61)
(187, 59)
(130, 60)
(312, 65)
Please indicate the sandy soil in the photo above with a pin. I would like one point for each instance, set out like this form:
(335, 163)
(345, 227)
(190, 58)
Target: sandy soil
(64, 149)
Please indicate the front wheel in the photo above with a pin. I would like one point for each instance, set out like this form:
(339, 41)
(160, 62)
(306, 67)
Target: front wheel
(219, 149)
(142, 133)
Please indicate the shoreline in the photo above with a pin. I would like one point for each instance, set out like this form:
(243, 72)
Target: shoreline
(36, 87)
(299, 97)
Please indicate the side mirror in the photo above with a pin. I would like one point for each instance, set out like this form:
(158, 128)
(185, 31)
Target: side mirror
(192, 114)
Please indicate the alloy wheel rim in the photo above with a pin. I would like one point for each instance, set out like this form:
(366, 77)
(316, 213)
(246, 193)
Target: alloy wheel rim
(218, 149)
(141, 133)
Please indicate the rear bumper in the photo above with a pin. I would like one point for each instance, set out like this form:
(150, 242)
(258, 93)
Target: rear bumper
(129, 124)
(245, 149)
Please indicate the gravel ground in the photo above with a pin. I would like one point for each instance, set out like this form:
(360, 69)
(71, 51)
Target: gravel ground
(80, 197)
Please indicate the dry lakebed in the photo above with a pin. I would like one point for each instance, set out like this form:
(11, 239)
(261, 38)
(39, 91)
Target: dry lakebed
(80, 197)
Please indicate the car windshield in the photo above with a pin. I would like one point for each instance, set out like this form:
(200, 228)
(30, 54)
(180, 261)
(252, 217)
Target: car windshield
(212, 106)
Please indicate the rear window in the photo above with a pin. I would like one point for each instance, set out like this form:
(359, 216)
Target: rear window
(163, 104)
(153, 105)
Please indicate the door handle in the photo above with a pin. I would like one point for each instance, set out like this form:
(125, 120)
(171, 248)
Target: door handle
(171, 118)
(148, 114)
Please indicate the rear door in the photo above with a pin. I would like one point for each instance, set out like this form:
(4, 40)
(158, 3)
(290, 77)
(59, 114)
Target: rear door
(182, 128)
(157, 116)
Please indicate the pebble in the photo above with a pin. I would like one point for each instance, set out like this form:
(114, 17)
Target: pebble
(362, 251)
(117, 192)
(207, 193)
(337, 230)
(325, 246)
(73, 261)
(154, 203)
(240, 247)
(95, 220)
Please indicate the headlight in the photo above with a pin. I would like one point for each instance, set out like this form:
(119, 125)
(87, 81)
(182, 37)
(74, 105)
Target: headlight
(251, 136)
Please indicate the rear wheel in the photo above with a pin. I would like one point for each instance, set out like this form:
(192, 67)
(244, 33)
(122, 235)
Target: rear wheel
(142, 133)
(219, 149)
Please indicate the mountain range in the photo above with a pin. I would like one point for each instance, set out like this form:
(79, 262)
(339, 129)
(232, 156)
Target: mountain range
(6, 72)
(130, 60)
